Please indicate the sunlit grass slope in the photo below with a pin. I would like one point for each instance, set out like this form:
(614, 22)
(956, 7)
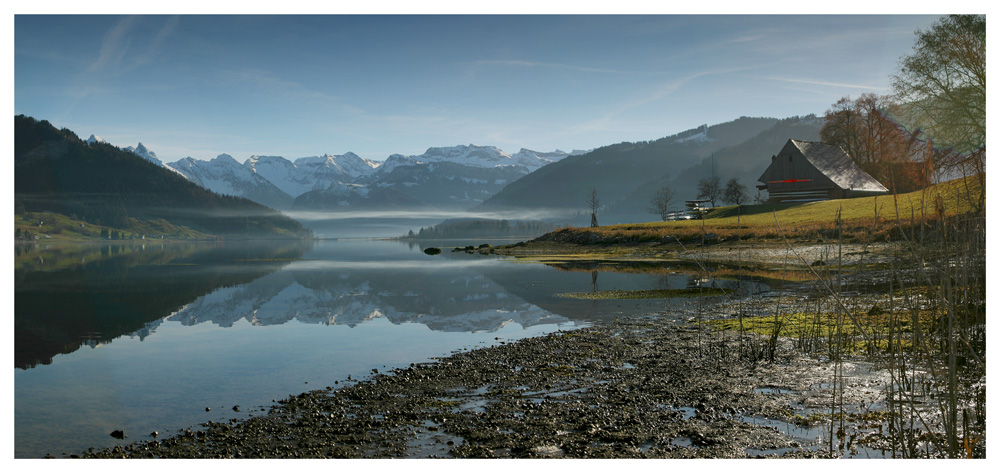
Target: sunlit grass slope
(868, 217)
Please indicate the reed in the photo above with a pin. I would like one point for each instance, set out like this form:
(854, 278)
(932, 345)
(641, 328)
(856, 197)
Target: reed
(924, 322)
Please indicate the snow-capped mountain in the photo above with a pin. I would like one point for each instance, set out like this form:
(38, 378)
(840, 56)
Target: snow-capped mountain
(453, 177)
(445, 178)
(442, 177)
(468, 155)
(225, 175)
(394, 161)
(485, 157)
(142, 152)
(536, 159)
(311, 173)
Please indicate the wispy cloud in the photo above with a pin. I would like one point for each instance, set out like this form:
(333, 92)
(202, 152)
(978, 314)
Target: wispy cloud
(114, 53)
(839, 85)
(115, 45)
(157, 42)
(521, 63)
(266, 82)
(659, 93)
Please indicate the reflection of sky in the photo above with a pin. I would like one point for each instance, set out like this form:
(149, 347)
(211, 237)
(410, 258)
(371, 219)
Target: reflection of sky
(165, 382)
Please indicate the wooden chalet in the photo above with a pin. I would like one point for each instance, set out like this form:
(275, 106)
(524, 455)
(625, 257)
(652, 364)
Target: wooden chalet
(806, 171)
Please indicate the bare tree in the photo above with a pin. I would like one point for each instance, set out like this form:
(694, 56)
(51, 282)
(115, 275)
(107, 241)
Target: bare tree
(660, 204)
(735, 192)
(710, 189)
(866, 130)
(594, 203)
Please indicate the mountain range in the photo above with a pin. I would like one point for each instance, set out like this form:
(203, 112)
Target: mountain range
(486, 179)
(442, 178)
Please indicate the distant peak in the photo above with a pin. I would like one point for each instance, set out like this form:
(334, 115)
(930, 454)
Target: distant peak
(220, 158)
(95, 139)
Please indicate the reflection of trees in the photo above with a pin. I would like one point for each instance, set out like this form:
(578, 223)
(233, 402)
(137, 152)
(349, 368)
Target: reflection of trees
(122, 289)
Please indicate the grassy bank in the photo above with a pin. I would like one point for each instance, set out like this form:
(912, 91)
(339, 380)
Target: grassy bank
(46, 226)
(860, 219)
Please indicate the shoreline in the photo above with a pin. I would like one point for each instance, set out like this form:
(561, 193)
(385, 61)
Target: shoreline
(656, 385)
(608, 391)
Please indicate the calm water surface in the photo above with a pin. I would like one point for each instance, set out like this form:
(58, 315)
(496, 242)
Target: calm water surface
(143, 337)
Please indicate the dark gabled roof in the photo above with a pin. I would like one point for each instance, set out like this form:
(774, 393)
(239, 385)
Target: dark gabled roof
(834, 163)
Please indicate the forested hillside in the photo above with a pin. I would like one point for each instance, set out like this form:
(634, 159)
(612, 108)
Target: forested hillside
(54, 170)
(744, 161)
(616, 171)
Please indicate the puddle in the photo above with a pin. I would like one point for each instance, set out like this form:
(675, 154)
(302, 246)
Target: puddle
(430, 441)
(682, 442)
(809, 437)
(686, 412)
(771, 390)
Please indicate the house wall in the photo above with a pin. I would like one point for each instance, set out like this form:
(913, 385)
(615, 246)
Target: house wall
(811, 184)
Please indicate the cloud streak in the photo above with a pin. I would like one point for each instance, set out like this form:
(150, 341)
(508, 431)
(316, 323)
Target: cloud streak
(157, 43)
(662, 91)
(114, 45)
(521, 63)
(826, 83)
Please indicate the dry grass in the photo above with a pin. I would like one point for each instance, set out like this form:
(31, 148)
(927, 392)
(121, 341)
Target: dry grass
(861, 219)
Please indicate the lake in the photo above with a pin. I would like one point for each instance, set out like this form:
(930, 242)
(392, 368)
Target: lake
(148, 336)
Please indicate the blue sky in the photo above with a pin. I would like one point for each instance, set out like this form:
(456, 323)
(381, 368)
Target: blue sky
(299, 86)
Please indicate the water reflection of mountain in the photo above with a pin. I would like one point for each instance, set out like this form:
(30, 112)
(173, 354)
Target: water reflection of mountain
(70, 295)
(450, 298)
(91, 295)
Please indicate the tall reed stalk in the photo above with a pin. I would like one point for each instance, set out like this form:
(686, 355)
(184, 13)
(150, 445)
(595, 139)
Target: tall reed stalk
(924, 324)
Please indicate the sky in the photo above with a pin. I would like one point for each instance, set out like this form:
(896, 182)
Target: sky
(375, 85)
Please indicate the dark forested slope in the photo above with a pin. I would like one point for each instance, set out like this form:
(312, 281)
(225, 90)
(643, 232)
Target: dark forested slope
(54, 170)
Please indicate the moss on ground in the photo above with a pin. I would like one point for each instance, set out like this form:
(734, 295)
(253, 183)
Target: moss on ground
(646, 293)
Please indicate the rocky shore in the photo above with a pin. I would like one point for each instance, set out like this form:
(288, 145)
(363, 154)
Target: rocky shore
(648, 387)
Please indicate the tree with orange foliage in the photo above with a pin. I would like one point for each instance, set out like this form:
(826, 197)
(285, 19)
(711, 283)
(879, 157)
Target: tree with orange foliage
(865, 130)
